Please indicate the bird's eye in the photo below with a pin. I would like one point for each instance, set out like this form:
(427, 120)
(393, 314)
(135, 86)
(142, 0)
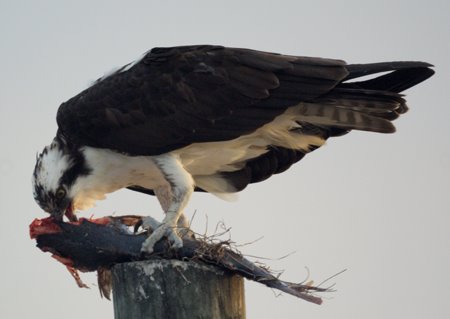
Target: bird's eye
(60, 193)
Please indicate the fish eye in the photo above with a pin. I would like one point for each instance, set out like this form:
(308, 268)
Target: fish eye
(60, 193)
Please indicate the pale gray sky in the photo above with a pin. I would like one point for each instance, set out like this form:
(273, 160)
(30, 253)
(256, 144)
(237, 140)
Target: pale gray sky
(375, 204)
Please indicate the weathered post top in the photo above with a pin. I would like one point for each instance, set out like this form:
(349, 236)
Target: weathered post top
(173, 289)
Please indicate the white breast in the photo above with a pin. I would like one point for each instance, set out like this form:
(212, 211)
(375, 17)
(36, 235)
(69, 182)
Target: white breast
(112, 171)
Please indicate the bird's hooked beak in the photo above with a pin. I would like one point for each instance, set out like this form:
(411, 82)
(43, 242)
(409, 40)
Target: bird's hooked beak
(68, 212)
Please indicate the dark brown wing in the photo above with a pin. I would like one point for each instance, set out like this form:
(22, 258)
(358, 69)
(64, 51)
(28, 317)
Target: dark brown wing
(177, 96)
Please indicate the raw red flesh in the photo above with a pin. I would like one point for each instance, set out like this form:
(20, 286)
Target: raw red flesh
(77, 277)
(43, 226)
(73, 271)
(48, 226)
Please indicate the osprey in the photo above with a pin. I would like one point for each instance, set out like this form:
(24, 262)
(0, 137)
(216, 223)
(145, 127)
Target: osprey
(208, 118)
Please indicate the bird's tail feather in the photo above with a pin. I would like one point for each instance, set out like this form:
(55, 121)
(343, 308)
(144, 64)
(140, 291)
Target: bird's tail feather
(347, 117)
(368, 105)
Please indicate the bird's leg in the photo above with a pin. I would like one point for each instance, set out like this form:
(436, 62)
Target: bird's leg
(150, 223)
(173, 198)
(184, 229)
(164, 196)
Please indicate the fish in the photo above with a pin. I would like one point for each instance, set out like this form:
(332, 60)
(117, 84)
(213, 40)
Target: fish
(88, 245)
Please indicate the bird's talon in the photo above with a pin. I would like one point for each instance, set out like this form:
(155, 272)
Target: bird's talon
(162, 230)
(149, 223)
(175, 241)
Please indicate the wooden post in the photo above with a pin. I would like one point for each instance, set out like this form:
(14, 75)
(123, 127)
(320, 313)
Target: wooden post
(173, 289)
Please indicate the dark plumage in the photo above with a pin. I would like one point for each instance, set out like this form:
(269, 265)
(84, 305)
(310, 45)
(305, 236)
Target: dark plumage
(174, 97)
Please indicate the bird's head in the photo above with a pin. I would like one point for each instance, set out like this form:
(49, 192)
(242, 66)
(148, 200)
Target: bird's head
(57, 169)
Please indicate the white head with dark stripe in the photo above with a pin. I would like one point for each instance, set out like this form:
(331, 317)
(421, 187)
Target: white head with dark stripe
(57, 168)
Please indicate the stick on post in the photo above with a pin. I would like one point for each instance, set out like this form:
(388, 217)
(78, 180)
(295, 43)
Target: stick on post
(175, 289)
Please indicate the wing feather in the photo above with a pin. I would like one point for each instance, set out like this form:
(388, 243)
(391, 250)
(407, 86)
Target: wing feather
(177, 96)
(174, 97)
